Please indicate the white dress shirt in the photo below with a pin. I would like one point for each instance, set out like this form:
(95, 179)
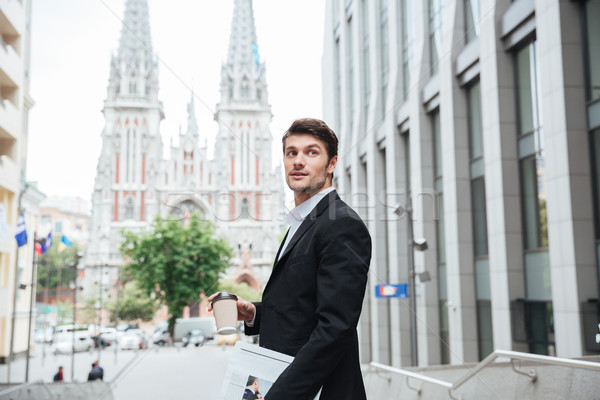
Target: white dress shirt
(297, 215)
(295, 218)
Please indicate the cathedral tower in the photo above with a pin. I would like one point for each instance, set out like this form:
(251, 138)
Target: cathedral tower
(125, 191)
(252, 198)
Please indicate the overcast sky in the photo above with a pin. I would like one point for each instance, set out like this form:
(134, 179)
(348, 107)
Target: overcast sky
(72, 43)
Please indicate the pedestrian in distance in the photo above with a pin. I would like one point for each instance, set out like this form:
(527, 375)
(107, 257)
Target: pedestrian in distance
(312, 302)
(97, 372)
(58, 377)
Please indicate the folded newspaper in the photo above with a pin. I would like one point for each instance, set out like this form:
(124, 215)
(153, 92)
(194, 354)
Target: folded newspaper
(252, 371)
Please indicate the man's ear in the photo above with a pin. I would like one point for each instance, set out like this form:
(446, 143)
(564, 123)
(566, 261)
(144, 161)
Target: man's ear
(332, 164)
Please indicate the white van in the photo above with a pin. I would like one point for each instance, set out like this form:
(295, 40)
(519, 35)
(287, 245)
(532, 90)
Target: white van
(182, 326)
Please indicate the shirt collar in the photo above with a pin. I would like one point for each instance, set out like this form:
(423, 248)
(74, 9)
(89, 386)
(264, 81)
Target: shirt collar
(295, 217)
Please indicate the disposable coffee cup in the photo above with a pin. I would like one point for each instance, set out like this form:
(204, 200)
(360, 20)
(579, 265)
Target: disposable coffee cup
(225, 311)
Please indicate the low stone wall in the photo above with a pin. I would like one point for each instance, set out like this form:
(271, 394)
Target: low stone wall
(496, 381)
(58, 391)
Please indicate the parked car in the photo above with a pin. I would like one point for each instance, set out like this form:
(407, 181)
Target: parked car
(43, 335)
(195, 337)
(133, 339)
(63, 343)
(109, 335)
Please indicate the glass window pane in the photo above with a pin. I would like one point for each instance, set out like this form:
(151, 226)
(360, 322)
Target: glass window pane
(482, 279)
(435, 33)
(595, 139)
(537, 272)
(437, 143)
(442, 288)
(477, 168)
(479, 217)
(383, 21)
(472, 13)
(444, 333)
(529, 200)
(475, 136)
(593, 39)
(440, 226)
(484, 328)
(524, 92)
(526, 145)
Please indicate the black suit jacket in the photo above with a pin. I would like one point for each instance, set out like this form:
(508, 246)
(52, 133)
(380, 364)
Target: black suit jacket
(249, 395)
(312, 302)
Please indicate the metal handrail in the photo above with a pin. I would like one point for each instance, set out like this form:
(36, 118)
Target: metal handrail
(512, 355)
(25, 385)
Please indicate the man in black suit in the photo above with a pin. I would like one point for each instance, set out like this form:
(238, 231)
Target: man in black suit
(313, 299)
(251, 392)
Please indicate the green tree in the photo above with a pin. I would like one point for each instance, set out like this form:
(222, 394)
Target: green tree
(134, 304)
(51, 262)
(240, 289)
(176, 261)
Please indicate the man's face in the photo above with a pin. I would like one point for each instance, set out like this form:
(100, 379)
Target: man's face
(306, 165)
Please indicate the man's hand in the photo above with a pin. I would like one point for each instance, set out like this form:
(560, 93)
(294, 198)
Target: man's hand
(246, 310)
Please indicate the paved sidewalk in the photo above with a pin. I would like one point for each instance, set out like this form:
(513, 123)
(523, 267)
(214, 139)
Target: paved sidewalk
(174, 373)
(44, 367)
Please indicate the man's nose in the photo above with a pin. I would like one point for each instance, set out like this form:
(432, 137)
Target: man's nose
(300, 159)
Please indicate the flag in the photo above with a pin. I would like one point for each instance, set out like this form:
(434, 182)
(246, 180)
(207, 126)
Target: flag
(21, 234)
(64, 243)
(38, 249)
(47, 244)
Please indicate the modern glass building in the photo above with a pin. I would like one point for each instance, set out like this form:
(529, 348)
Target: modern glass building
(473, 124)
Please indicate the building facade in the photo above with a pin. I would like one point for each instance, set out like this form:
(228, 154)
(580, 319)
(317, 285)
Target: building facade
(237, 190)
(16, 195)
(472, 124)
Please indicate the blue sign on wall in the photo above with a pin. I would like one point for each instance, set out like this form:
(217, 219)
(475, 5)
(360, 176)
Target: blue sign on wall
(388, 290)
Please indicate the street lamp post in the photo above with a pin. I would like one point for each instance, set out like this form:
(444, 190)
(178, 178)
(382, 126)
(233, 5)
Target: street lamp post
(31, 305)
(420, 245)
(74, 323)
(117, 310)
(74, 265)
(413, 294)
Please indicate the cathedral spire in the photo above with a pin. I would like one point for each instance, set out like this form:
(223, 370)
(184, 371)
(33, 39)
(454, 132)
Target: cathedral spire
(134, 69)
(243, 75)
(135, 33)
(243, 47)
(192, 123)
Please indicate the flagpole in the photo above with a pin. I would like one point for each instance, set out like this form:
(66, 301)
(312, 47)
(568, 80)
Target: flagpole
(14, 306)
(11, 354)
(33, 287)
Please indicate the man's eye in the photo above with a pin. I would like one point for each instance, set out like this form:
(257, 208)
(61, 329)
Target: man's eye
(291, 153)
(313, 152)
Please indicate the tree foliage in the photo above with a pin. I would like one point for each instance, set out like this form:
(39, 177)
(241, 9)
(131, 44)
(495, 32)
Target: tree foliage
(240, 289)
(51, 262)
(176, 261)
(134, 304)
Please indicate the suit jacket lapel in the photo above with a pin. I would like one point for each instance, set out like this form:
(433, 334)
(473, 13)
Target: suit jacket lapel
(280, 246)
(307, 223)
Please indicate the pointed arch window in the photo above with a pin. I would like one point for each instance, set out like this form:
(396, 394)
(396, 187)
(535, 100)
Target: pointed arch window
(132, 84)
(245, 214)
(129, 208)
(245, 93)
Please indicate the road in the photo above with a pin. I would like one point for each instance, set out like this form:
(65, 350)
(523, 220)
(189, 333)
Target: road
(156, 373)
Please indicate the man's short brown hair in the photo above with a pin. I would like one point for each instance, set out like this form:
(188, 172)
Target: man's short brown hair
(316, 128)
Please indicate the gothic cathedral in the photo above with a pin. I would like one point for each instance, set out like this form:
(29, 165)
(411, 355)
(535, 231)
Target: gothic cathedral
(238, 189)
